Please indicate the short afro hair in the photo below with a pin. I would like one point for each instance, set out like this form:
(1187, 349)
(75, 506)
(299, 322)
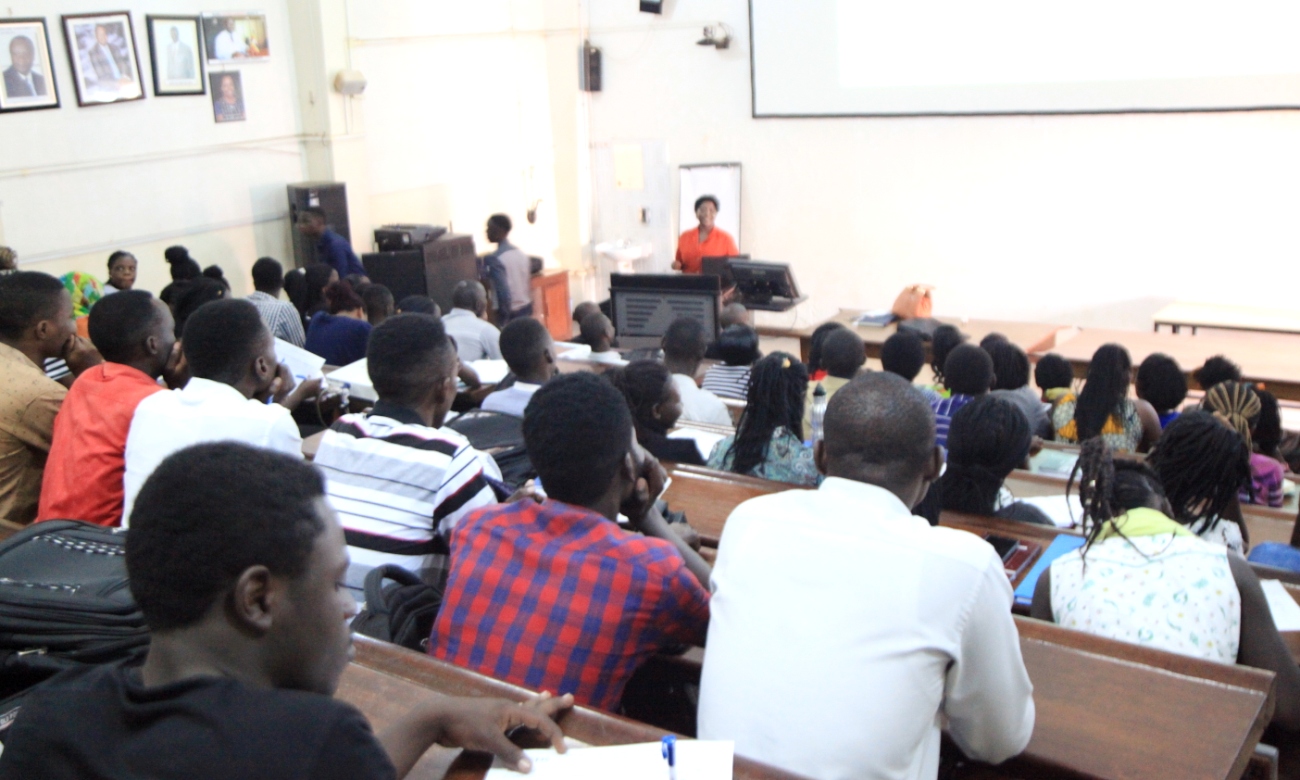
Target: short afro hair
(120, 254)
(686, 340)
(577, 430)
(268, 275)
(968, 370)
(501, 221)
(1217, 369)
(843, 354)
(222, 338)
(595, 327)
(1010, 365)
(119, 323)
(27, 298)
(903, 354)
(738, 345)
(407, 354)
(417, 304)
(881, 419)
(207, 514)
(1052, 372)
(700, 201)
(523, 344)
(1161, 383)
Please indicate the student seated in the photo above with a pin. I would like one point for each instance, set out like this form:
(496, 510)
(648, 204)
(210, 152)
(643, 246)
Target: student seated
(231, 361)
(83, 476)
(767, 443)
(418, 304)
(988, 439)
(886, 627)
(234, 558)
(816, 343)
(843, 356)
(598, 332)
(903, 354)
(1144, 578)
(281, 318)
(1161, 383)
(945, 339)
(196, 293)
(183, 269)
(1202, 464)
(339, 333)
(1215, 370)
(1241, 407)
(35, 324)
(476, 338)
(555, 596)
(684, 344)
(731, 314)
(1054, 376)
(1267, 468)
(1103, 408)
(398, 479)
(122, 268)
(530, 355)
(378, 302)
(1011, 383)
(738, 349)
(581, 312)
(656, 406)
(967, 373)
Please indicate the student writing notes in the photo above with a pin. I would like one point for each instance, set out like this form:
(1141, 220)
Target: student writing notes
(876, 627)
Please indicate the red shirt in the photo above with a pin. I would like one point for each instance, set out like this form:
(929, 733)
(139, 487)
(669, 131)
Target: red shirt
(556, 597)
(691, 253)
(83, 476)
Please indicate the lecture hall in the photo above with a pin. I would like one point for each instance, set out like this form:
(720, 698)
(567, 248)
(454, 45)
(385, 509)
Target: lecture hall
(449, 391)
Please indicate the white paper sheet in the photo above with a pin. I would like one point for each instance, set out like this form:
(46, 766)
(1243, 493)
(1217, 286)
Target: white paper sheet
(303, 364)
(490, 371)
(357, 378)
(1286, 612)
(1058, 508)
(705, 441)
(696, 760)
(570, 351)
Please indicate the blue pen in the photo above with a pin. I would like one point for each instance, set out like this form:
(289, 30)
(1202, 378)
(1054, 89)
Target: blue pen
(669, 748)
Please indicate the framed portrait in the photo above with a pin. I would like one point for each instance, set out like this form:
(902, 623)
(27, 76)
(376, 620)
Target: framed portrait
(176, 49)
(28, 66)
(233, 38)
(101, 49)
(227, 96)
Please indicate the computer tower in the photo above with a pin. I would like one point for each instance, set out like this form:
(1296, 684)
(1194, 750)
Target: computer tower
(328, 196)
(432, 269)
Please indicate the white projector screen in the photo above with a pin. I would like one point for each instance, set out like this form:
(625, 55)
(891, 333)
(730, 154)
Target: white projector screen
(916, 57)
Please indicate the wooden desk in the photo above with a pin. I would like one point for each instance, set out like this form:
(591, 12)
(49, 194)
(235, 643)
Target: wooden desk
(385, 681)
(1212, 315)
(550, 293)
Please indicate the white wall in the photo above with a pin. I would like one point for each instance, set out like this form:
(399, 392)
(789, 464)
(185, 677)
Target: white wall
(78, 183)
(1092, 220)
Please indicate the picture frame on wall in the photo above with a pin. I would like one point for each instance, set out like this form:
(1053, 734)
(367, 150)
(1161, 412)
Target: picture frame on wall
(176, 50)
(227, 96)
(233, 38)
(28, 66)
(101, 50)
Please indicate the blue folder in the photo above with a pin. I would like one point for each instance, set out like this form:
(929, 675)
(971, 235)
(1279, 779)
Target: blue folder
(1061, 545)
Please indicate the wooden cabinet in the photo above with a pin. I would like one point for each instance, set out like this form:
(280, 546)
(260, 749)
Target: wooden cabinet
(550, 291)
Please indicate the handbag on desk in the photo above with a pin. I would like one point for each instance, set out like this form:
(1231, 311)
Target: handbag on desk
(914, 302)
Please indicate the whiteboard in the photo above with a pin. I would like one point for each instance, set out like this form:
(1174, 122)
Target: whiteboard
(722, 181)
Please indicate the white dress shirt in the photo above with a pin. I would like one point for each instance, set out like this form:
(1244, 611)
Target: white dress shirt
(699, 405)
(476, 339)
(512, 400)
(203, 411)
(226, 45)
(844, 631)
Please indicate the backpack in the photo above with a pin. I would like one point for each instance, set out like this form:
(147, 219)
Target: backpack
(502, 437)
(402, 612)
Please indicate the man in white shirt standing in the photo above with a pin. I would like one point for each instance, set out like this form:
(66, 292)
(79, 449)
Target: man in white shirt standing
(884, 629)
(225, 46)
(530, 354)
(510, 272)
(684, 344)
(233, 378)
(476, 338)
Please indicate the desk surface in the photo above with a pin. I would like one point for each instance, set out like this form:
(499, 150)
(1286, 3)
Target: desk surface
(1029, 336)
(1213, 315)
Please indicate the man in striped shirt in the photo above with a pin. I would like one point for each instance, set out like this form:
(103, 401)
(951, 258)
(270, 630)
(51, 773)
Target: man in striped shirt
(399, 480)
(281, 318)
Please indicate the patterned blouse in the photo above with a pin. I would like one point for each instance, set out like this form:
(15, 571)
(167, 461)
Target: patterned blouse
(1168, 590)
(786, 459)
(1123, 431)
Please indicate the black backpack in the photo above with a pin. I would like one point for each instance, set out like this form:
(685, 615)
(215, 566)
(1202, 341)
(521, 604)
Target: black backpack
(502, 437)
(402, 612)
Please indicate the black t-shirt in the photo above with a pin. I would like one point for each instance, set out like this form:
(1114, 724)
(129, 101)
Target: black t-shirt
(103, 724)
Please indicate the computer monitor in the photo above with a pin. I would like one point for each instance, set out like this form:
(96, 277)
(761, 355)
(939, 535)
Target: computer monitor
(764, 284)
(644, 305)
(721, 268)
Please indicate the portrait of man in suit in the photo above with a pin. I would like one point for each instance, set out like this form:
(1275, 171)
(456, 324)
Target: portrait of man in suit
(110, 65)
(104, 62)
(28, 74)
(180, 58)
(20, 80)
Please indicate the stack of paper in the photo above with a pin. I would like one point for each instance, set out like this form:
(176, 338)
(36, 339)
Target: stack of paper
(303, 364)
(1286, 613)
(490, 372)
(357, 379)
(696, 760)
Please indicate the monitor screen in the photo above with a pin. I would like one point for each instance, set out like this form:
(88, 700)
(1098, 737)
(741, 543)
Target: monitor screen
(764, 281)
(645, 305)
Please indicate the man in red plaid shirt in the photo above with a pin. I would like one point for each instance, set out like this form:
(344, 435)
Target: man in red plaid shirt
(555, 596)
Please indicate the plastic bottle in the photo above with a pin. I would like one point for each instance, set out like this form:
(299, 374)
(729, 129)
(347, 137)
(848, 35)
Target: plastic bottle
(818, 412)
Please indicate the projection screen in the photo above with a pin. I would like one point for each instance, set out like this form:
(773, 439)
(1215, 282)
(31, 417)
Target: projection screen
(919, 57)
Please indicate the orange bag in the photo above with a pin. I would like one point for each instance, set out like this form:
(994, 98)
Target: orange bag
(914, 302)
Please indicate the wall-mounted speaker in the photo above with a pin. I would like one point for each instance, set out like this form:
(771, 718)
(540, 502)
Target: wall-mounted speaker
(589, 70)
(652, 6)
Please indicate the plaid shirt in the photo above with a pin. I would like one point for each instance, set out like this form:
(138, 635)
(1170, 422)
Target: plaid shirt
(556, 597)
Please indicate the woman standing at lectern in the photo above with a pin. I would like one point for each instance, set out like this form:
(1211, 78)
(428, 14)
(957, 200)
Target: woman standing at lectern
(704, 240)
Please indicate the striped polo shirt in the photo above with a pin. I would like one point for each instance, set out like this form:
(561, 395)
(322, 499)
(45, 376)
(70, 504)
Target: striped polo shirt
(399, 487)
(727, 381)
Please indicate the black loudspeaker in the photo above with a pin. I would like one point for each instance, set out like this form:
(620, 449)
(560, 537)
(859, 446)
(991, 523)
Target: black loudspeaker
(328, 196)
(589, 74)
(652, 6)
(433, 268)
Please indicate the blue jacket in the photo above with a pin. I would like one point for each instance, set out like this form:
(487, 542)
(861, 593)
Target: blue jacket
(335, 250)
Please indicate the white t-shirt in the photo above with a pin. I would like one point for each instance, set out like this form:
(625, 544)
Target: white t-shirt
(844, 631)
(700, 405)
(476, 339)
(512, 400)
(203, 411)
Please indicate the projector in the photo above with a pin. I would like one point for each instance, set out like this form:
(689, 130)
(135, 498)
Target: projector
(394, 238)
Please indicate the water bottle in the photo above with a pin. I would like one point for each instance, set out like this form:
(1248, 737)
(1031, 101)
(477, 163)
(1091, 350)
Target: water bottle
(818, 412)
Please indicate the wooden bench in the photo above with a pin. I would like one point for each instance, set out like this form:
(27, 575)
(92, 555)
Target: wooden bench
(1182, 314)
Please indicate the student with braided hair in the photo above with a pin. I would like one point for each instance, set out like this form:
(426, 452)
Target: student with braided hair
(1103, 408)
(1202, 464)
(767, 442)
(1242, 408)
(1144, 578)
(989, 437)
(656, 405)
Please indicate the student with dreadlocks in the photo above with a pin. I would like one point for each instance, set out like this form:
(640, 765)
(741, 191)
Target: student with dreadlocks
(988, 438)
(1104, 409)
(1241, 407)
(1144, 578)
(656, 405)
(767, 442)
(1202, 463)
(1161, 383)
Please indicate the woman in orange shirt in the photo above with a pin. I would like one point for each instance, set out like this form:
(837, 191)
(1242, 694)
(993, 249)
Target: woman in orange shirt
(703, 241)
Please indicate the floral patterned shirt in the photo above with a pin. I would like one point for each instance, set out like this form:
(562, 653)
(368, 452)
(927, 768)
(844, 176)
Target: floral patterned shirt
(786, 459)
